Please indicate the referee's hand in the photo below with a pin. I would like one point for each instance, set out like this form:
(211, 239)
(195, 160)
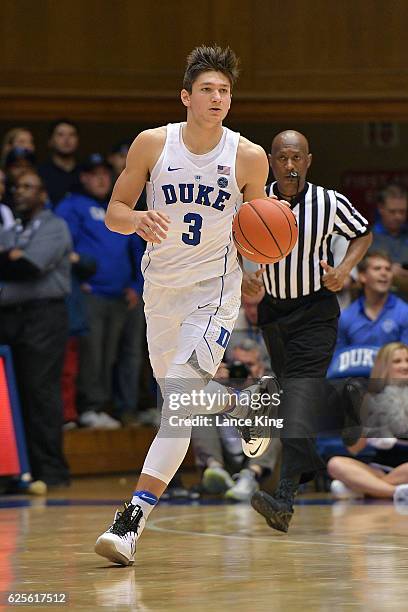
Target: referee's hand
(252, 284)
(333, 278)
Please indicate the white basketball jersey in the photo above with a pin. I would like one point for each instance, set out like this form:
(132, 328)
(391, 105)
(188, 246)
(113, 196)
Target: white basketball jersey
(200, 195)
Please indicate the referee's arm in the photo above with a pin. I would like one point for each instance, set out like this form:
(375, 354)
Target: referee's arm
(334, 278)
(355, 228)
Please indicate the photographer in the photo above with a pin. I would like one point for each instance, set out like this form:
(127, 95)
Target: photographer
(218, 450)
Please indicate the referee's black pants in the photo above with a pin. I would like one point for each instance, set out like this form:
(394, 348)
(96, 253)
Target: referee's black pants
(300, 335)
(37, 333)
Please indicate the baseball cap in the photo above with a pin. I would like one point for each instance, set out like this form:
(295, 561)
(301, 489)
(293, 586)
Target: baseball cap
(95, 160)
(121, 147)
(17, 154)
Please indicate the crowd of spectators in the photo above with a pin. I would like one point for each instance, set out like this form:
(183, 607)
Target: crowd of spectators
(70, 301)
(71, 310)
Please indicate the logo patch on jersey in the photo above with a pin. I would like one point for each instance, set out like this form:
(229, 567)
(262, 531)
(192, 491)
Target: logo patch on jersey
(222, 182)
(224, 170)
(388, 325)
(97, 213)
(197, 177)
(170, 169)
(223, 337)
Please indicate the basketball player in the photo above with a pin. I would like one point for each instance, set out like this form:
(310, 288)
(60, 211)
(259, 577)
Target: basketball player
(197, 174)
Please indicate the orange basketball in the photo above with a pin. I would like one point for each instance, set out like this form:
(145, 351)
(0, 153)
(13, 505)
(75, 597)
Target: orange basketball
(264, 231)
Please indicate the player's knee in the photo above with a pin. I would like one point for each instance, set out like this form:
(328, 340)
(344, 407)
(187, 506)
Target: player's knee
(181, 386)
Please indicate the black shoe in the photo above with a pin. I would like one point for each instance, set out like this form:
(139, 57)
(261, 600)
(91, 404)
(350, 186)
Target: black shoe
(257, 436)
(353, 395)
(277, 509)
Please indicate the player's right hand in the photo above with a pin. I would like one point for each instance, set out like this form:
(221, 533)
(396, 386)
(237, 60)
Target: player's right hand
(151, 225)
(252, 283)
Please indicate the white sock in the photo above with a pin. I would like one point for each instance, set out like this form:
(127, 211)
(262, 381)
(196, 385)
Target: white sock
(145, 500)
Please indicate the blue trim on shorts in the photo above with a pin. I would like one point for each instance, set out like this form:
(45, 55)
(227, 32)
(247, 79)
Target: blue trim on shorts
(148, 252)
(218, 307)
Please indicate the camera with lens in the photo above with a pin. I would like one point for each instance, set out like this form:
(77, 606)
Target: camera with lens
(238, 372)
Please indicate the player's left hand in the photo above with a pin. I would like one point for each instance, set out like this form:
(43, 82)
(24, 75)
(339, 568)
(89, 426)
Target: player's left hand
(333, 278)
(131, 297)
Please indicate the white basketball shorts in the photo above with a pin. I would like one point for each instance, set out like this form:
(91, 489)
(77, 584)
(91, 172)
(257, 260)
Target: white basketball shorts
(198, 318)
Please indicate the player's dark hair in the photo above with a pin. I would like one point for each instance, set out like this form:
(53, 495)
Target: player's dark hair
(53, 126)
(379, 254)
(392, 190)
(201, 59)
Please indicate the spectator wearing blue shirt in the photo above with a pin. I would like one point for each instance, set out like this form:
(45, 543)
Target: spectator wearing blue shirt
(113, 290)
(377, 317)
(390, 233)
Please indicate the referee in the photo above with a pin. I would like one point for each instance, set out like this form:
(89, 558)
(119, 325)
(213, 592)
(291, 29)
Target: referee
(299, 312)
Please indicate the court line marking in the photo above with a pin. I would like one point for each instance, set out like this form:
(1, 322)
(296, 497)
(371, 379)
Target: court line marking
(152, 526)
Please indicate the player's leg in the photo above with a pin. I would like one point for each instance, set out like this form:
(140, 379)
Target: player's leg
(204, 336)
(118, 543)
(177, 377)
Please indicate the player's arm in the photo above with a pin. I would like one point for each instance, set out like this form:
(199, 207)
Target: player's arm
(252, 170)
(252, 176)
(121, 216)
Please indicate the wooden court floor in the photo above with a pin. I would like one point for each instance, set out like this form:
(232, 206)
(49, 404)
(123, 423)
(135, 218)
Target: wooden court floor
(342, 556)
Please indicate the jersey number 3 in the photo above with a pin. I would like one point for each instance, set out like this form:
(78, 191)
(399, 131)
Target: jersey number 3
(194, 229)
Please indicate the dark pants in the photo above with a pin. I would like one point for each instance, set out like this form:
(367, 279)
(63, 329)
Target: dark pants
(300, 336)
(98, 351)
(37, 333)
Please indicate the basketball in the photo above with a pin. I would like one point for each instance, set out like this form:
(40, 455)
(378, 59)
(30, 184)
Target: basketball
(264, 231)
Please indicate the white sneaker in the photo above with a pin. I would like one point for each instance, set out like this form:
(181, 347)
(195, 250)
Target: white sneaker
(339, 490)
(107, 422)
(216, 480)
(401, 498)
(98, 420)
(90, 418)
(244, 487)
(118, 543)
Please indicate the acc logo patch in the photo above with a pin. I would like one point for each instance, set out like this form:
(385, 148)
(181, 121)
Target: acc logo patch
(388, 325)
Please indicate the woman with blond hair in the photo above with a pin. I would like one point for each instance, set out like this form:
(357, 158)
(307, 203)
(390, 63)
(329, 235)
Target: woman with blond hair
(387, 421)
(20, 137)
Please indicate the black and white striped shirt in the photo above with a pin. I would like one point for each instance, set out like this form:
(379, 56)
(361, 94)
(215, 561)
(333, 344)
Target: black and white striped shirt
(320, 214)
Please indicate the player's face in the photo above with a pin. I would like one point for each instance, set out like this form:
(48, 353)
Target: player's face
(285, 159)
(378, 275)
(210, 98)
(399, 366)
